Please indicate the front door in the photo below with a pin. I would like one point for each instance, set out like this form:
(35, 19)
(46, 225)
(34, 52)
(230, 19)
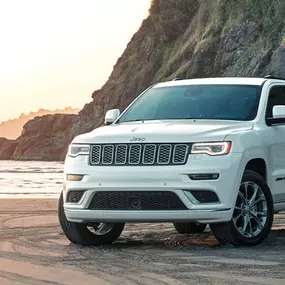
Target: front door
(275, 139)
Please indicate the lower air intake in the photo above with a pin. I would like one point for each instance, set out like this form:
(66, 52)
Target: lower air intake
(74, 196)
(136, 200)
(205, 196)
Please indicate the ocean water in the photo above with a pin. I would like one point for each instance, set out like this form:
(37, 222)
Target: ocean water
(30, 179)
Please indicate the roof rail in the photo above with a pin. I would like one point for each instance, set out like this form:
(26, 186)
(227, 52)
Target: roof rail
(175, 79)
(273, 77)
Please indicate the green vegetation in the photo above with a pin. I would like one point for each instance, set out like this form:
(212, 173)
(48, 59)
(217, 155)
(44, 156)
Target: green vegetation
(268, 13)
(191, 26)
(258, 9)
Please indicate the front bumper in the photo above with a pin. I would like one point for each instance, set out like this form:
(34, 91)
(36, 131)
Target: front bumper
(156, 178)
(201, 216)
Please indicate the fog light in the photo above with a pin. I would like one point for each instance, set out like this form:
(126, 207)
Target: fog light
(204, 176)
(74, 177)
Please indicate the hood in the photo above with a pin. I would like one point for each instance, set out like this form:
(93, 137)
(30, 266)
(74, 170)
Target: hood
(164, 131)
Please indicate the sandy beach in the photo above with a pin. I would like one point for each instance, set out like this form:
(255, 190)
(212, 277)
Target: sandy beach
(34, 251)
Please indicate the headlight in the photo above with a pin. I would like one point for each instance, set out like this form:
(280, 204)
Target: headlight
(78, 149)
(216, 148)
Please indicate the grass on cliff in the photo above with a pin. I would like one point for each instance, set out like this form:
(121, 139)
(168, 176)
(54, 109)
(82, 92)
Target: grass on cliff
(269, 13)
(186, 26)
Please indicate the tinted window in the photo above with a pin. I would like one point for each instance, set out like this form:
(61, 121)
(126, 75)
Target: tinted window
(217, 102)
(276, 97)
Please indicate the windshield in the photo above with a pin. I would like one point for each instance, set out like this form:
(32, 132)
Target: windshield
(207, 102)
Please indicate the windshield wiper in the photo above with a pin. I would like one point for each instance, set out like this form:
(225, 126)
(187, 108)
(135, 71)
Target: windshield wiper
(138, 120)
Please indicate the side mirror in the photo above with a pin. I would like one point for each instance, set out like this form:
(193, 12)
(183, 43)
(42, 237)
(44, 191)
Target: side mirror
(278, 112)
(278, 116)
(111, 116)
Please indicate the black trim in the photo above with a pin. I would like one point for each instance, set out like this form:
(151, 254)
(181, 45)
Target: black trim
(273, 77)
(279, 202)
(74, 196)
(205, 196)
(274, 121)
(280, 178)
(204, 176)
(269, 121)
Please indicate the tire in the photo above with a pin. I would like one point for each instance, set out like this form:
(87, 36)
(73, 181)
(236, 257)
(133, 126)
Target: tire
(244, 228)
(189, 228)
(80, 234)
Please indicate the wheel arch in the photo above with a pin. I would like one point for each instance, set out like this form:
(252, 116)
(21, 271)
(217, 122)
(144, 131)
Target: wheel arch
(256, 159)
(252, 159)
(259, 166)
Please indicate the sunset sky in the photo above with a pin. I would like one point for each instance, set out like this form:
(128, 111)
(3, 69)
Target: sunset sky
(55, 53)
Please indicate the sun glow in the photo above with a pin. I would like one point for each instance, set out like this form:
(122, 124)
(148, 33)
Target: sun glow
(55, 53)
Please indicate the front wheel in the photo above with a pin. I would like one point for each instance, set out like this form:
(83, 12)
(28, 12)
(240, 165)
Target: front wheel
(87, 235)
(253, 214)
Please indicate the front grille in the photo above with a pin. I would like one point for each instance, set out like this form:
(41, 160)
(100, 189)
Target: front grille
(74, 196)
(136, 200)
(139, 154)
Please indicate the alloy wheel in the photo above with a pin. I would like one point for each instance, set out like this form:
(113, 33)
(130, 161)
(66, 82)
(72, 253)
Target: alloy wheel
(250, 213)
(101, 229)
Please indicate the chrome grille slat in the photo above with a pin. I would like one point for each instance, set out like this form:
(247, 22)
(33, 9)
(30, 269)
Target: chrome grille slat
(145, 154)
(149, 151)
(121, 154)
(179, 153)
(96, 154)
(135, 154)
(108, 154)
(164, 154)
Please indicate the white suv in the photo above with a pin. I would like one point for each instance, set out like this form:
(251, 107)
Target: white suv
(191, 152)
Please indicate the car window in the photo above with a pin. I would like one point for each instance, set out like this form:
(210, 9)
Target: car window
(209, 102)
(276, 97)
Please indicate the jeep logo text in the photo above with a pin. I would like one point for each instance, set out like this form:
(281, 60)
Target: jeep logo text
(135, 139)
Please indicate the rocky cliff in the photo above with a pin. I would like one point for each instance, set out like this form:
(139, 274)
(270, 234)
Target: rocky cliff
(7, 148)
(44, 138)
(187, 39)
(12, 129)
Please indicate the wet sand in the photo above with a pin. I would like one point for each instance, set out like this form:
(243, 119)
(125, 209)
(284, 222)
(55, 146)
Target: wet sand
(34, 251)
